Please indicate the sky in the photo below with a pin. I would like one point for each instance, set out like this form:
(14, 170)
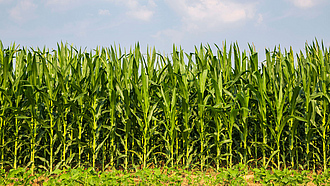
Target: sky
(162, 23)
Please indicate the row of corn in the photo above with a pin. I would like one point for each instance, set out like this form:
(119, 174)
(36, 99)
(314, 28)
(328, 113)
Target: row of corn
(112, 108)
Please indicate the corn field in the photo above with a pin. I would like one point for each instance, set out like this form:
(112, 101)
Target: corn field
(112, 108)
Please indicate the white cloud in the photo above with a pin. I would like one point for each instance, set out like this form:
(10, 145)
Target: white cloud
(142, 14)
(260, 19)
(202, 14)
(5, 1)
(174, 36)
(23, 11)
(79, 29)
(104, 12)
(305, 3)
(138, 9)
(61, 5)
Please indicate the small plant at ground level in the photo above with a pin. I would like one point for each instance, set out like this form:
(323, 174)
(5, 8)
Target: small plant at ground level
(281, 177)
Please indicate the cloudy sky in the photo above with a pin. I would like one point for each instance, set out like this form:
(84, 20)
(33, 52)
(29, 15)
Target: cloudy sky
(160, 23)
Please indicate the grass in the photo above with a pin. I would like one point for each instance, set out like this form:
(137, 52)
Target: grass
(238, 175)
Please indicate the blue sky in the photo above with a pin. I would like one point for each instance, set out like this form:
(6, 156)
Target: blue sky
(160, 23)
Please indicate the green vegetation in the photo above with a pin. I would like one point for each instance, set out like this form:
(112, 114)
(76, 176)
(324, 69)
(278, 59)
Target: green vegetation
(209, 109)
(237, 175)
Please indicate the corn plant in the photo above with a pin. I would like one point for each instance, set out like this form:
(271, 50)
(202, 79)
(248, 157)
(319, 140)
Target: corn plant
(110, 107)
